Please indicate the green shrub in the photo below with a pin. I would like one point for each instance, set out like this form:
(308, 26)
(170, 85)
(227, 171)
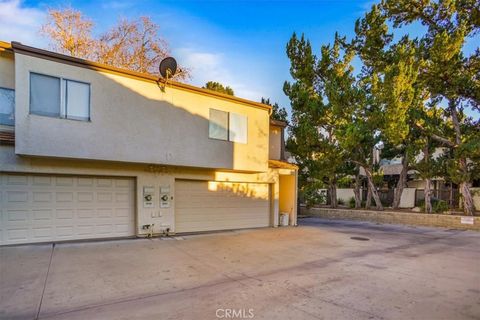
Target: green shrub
(438, 206)
(312, 197)
(351, 202)
(340, 202)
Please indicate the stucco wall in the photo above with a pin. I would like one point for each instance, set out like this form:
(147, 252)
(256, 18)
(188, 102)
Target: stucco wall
(275, 145)
(288, 196)
(476, 197)
(345, 194)
(7, 70)
(145, 175)
(135, 121)
(407, 200)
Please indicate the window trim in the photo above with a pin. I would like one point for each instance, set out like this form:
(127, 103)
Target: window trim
(10, 89)
(228, 126)
(246, 129)
(30, 94)
(63, 97)
(66, 80)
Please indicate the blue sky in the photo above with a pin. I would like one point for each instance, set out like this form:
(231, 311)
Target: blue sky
(238, 43)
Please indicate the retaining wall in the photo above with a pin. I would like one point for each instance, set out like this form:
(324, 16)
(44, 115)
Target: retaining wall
(393, 217)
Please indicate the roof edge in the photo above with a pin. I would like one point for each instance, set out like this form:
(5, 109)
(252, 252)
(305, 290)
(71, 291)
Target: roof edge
(4, 46)
(280, 164)
(278, 123)
(53, 56)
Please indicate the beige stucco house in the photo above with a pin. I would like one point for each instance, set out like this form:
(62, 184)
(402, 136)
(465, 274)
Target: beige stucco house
(90, 151)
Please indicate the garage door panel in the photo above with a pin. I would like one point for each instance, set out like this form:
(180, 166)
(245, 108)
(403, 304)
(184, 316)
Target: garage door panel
(210, 205)
(48, 208)
(191, 213)
(64, 232)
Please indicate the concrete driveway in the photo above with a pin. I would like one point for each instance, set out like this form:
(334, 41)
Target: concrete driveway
(314, 271)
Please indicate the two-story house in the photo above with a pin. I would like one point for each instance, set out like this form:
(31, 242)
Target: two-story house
(91, 151)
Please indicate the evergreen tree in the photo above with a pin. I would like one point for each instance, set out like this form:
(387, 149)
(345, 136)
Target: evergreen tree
(278, 113)
(448, 74)
(218, 87)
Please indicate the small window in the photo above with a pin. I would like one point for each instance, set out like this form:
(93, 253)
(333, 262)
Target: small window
(218, 126)
(59, 98)
(238, 128)
(7, 107)
(77, 101)
(44, 95)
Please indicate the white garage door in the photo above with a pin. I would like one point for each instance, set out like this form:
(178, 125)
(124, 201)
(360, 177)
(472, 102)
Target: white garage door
(38, 208)
(210, 205)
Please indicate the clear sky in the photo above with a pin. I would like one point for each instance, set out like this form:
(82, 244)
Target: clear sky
(238, 43)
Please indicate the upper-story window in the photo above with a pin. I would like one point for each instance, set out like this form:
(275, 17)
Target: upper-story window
(60, 98)
(218, 127)
(7, 107)
(237, 131)
(228, 126)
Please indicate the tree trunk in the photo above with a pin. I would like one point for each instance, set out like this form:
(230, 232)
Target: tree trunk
(450, 199)
(427, 191)
(428, 182)
(467, 200)
(402, 182)
(368, 202)
(356, 191)
(373, 190)
(468, 207)
(333, 194)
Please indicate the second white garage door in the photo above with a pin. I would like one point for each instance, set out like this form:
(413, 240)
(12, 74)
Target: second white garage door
(210, 205)
(43, 208)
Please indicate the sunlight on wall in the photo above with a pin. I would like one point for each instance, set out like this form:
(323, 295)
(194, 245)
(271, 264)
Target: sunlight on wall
(249, 190)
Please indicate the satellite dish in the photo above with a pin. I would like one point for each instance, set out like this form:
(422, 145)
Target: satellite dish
(168, 67)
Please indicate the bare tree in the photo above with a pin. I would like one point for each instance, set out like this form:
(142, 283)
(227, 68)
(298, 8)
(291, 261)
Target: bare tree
(70, 32)
(130, 44)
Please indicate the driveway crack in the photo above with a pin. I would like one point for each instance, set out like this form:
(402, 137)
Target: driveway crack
(45, 283)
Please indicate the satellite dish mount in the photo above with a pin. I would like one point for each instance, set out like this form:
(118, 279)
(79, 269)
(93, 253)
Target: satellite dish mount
(168, 68)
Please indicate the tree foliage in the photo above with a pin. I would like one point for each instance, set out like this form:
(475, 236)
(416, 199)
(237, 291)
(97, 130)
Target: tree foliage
(278, 113)
(130, 44)
(395, 102)
(218, 87)
(448, 74)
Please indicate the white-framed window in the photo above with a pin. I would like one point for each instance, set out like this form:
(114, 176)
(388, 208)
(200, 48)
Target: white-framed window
(228, 126)
(218, 125)
(60, 98)
(237, 131)
(7, 106)
(77, 100)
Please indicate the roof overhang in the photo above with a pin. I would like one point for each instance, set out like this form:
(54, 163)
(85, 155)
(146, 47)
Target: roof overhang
(278, 123)
(277, 164)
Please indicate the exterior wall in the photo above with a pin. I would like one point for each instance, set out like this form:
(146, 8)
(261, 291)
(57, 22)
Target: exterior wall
(408, 218)
(145, 175)
(7, 70)
(407, 200)
(275, 144)
(287, 196)
(418, 184)
(346, 194)
(136, 121)
(476, 197)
